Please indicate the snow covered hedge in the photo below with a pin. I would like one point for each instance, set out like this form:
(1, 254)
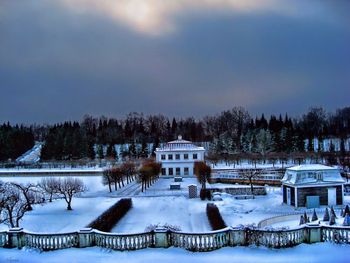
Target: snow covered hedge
(108, 219)
(214, 217)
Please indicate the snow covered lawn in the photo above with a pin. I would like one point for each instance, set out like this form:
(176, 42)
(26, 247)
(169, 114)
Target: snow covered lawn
(54, 217)
(249, 211)
(188, 214)
(320, 252)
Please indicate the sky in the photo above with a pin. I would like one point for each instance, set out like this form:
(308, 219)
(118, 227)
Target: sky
(62, 59)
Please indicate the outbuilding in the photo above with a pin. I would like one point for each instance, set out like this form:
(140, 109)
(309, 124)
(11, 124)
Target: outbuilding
(312, 185)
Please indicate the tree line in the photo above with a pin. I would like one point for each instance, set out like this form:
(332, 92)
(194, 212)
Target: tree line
(229, 132)
(14, 141)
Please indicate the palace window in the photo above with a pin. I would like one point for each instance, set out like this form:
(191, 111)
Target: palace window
(177, 170)
(186, 156)
(195, 156)
(171, 171)
(177, 156)
(162, 156)
(170, 156)
(186, 171)
(163, 171)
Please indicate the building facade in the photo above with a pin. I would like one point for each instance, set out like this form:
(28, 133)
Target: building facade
(312, 185)
(178, 157)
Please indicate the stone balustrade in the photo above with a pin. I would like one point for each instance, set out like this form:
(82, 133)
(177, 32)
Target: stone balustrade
(50, 241)
(228, 237)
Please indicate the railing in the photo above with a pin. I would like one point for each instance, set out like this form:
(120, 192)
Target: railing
(124, 241)
(335, 234)
(51, 241)
(3, 238)
(275, 238)
(228, 237)
(200, 242)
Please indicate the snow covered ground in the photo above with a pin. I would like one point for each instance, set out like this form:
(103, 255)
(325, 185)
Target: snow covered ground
(52, 171)
(252, 211)
(319, 252)
(188, 214)
(157, 205)
(54, 217)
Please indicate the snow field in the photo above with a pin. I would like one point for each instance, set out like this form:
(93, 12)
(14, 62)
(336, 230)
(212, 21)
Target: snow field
(188, 214)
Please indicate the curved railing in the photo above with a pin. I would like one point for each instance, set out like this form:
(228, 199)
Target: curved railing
(208, 241)
(276, 238)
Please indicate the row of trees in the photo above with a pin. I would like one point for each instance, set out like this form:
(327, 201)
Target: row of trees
(232, 131)
(16, 199)
(147, 174)
(118, 175)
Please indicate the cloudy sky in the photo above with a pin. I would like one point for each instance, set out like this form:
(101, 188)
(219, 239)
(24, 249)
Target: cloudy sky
(61, 59)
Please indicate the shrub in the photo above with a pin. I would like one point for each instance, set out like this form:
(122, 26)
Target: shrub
(205, 194)
(208, 194)
(165, 226)
(214, 217)
(108, 219)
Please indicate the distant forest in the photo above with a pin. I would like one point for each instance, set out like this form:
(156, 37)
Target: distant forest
(229, 133)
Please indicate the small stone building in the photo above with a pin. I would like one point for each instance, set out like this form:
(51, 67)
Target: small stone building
(312, 185)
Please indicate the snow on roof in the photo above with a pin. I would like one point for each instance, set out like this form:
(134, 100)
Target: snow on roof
(311, 167)
(179, 145)
(312, 174)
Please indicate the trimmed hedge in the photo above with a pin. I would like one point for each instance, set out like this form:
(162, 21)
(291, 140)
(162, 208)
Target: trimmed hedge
(205, 194)
(109, 218)
(214, 217)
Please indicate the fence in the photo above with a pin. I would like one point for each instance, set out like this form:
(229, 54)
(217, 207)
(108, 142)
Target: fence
(228, 237)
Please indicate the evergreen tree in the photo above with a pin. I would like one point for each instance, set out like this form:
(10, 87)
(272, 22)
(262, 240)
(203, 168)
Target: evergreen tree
(314, 216)
(346, 221)
(100, 152)
(132, 150)
(326, 215)
(332, 220)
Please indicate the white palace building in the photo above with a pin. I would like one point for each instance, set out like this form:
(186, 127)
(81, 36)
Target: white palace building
(178, 157)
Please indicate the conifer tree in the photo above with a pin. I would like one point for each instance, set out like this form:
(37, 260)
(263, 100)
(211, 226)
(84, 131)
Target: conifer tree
(326, 215)
(332, 220)
(314, 216)
(346, 221)
(100, 152)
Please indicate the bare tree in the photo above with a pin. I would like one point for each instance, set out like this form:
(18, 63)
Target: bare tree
(107, 179)
(29, 192)
(50, 186)
(203, 173)
(69, 187)
(13, 205)
(250, 175)
(129, 170)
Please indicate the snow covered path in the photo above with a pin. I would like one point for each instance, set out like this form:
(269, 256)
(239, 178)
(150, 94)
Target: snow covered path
(319, 252)
(32, 155)
(179, 211)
